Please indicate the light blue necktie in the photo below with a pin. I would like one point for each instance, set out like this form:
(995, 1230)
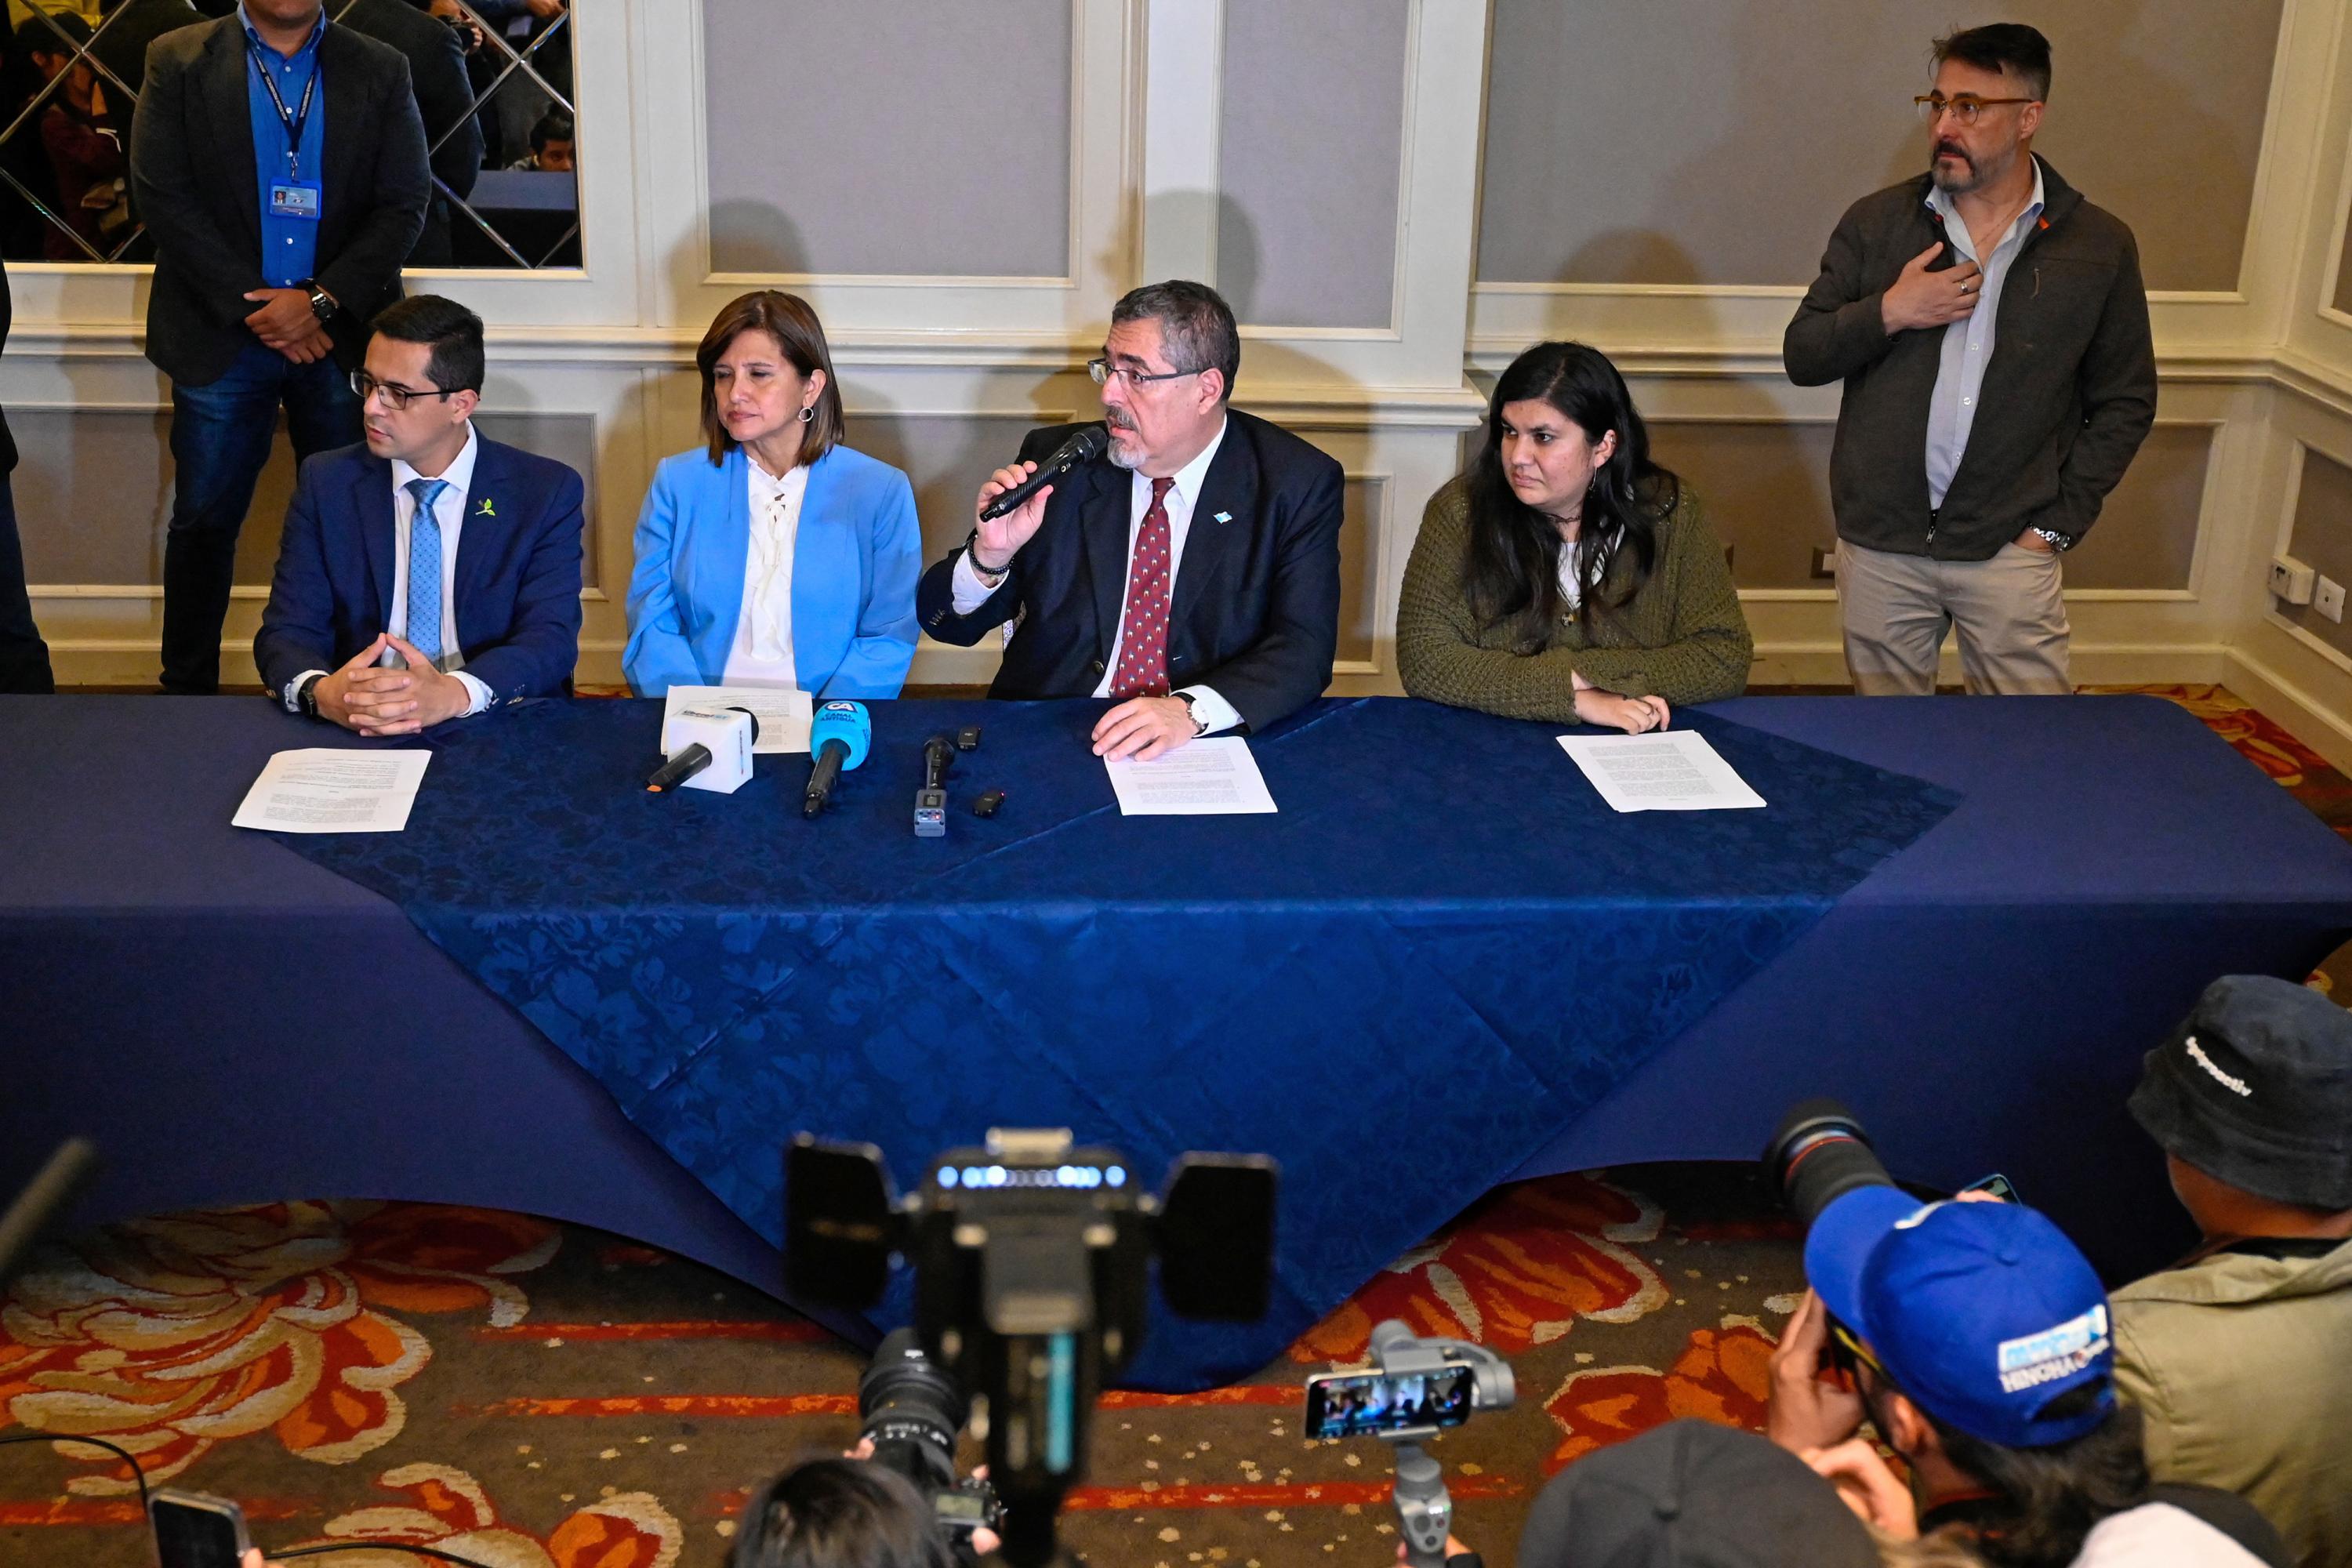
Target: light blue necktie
(425, 569)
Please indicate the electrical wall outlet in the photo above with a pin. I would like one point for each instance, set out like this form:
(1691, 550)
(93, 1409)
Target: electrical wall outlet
(1825, 564)
(2291, 580)
(2329, 599)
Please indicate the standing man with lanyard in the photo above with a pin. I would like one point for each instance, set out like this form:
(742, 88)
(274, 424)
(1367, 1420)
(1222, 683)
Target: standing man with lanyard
(24, 656)
(1993, 333)
(279, 165)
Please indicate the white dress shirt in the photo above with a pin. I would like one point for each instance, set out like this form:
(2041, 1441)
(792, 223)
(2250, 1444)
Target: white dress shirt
(1967, 342)
(449, 511)
(1570, 588)
(971, 590)
(761, 653)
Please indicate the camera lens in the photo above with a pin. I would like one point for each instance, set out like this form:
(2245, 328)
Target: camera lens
(912, 1411)
(1820, 1152)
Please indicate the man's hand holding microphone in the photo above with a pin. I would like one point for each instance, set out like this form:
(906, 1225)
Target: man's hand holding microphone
(996, 540)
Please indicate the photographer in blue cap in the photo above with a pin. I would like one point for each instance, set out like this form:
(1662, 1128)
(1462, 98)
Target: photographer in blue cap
(1977, 1340)
(2240, 1357)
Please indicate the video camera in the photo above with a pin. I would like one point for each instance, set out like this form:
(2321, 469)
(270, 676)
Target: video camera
(912, 1412)
(1032, 1261)
(1818, 1155)
(1421, 1388)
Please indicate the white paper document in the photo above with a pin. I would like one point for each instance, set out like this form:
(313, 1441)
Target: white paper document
(1214, 778)
(321, 790)
(1674, 769)
(783, 715)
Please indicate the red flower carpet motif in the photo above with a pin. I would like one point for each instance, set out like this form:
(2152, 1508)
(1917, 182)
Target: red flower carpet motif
(168, 1335)
(1723, 1375)
(1517, 1271)
(447, 1509)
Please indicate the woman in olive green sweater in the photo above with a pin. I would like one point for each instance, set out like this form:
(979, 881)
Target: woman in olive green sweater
(1564, 576)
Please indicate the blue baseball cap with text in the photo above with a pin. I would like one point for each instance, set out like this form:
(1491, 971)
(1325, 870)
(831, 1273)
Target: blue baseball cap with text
(1983, 1313)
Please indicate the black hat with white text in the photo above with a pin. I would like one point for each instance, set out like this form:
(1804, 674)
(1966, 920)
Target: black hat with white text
(2254, 1089)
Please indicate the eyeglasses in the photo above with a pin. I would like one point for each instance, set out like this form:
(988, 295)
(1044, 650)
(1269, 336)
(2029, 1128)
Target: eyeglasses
(395, 397)
(1965, 108)
(1102, 370)
(1849, 1353)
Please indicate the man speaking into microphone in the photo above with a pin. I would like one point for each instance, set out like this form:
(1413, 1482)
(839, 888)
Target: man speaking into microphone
(1191, 573)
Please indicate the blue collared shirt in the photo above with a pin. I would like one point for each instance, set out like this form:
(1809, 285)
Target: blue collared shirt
(290, 246)
(1967, 342)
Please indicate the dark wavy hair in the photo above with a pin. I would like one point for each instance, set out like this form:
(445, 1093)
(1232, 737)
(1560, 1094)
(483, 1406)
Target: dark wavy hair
(2048, 1499)
(1513, 571)
(839, 1513)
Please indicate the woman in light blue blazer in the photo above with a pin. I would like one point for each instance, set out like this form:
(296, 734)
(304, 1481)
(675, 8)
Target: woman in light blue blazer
(777, 557)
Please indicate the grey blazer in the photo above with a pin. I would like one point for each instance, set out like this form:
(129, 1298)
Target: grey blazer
(191, 175)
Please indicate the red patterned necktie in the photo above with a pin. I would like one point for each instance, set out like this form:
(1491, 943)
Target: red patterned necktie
(1143, 629)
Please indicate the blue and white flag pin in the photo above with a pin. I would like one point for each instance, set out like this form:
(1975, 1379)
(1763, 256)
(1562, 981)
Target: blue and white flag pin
(1224, 517)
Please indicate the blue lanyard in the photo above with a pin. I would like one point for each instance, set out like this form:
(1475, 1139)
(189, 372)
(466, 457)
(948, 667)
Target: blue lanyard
(291, 123)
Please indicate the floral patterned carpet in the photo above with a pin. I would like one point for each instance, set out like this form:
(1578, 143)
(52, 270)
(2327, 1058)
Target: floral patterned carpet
(532, 1394)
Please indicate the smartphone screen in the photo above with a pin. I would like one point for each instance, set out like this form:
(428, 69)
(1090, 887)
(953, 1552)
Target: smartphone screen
(194, 1530)
(1362, 1404)
(1996, 1184)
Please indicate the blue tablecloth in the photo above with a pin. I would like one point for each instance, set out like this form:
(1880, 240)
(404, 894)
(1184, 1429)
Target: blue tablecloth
(1440, 952)
(234, 1024)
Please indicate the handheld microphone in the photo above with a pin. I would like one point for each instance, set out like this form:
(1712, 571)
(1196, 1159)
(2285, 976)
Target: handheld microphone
(683, 764)
(838, 738)
(1085, 447)
(931, 800)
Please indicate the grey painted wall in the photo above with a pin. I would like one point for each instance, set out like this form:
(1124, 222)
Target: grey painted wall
(93, 490)
(1310, 135)
(1765, 487)
(889, 136)
(2322, 537)
(1692, 141)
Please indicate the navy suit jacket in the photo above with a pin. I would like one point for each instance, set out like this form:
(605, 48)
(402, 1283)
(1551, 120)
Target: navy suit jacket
(1255, 610)
(518, 574)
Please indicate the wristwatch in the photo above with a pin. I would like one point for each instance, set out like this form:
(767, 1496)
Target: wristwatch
(2059, 542)
(305, 696)
(1200, 725)
(323, 304)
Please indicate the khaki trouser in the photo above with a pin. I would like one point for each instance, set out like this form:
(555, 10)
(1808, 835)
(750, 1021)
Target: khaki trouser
(1896, 609)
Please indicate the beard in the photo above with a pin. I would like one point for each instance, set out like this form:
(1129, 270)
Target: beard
(1123, 456)
(1975, 174)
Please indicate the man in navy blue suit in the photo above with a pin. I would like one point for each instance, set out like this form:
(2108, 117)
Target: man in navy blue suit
(428, 574)
(1190, 575)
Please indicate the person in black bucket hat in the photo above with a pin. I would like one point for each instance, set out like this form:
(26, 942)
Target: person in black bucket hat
(1691, 1494)
(2240, 1357)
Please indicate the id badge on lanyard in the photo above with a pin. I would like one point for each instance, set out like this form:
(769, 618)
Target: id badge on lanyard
(292, 196)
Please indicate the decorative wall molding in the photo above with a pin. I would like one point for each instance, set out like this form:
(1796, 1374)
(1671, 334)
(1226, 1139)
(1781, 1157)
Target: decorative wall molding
(2264, 366)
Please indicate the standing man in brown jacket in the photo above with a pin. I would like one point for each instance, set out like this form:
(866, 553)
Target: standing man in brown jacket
(1992, 331)
(2240, 1358)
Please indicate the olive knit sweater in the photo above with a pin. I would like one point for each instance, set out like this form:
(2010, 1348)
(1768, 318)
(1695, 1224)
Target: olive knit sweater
(1681, 637)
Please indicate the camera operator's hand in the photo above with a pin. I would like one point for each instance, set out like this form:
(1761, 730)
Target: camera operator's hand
(983, 1540)
(1868, 1486)
(1811, 1405)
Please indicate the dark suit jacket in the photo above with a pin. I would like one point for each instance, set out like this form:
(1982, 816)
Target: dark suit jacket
(7, 316)
(1255, 610)
(191, 175)
(518, 583)
(122, 46)
(444, 100)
